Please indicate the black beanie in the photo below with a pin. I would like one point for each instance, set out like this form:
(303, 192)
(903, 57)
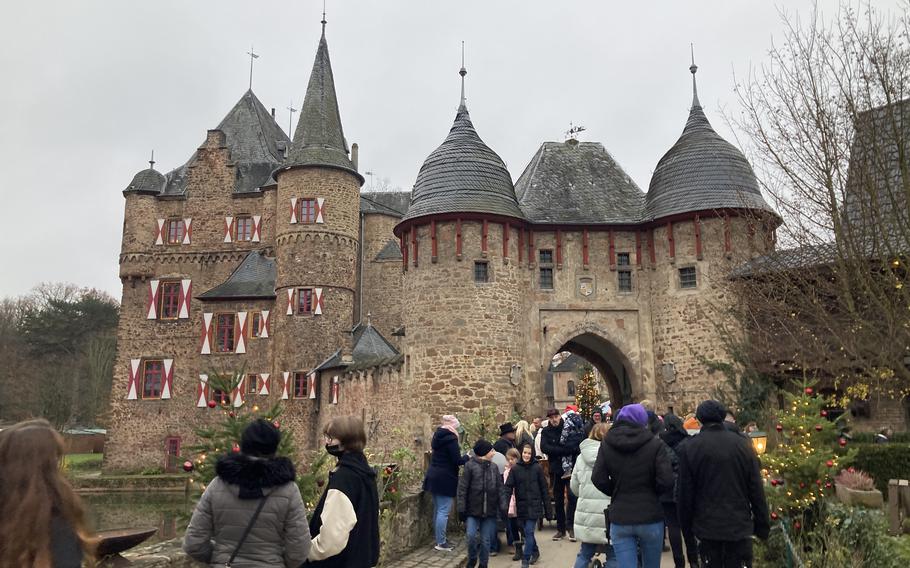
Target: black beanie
(260, 438)
(711, 411)
(482, 448)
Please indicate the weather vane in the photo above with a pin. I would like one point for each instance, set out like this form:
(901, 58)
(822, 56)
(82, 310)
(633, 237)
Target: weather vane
(573, 131)
(291, 111)
(253, 55)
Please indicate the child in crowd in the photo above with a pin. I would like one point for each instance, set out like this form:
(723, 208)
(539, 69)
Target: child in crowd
(527, 483)
(573, 432)
(480, 499)
(512, 530)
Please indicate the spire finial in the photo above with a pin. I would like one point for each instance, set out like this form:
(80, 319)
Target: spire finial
(323, 22)
(253, 55)
(152, 161)
(462, 72)
(370, 319)
(693, 69)
(291, 111)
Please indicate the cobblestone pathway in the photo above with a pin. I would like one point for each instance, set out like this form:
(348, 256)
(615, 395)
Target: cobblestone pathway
(428, 557)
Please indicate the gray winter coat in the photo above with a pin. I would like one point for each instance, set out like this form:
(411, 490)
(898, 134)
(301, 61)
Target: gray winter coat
(281, 534)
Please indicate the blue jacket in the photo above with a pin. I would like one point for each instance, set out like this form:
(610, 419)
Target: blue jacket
(442, 475)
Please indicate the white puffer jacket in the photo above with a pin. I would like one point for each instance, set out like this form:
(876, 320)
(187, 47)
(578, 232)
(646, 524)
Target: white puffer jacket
(589, 512)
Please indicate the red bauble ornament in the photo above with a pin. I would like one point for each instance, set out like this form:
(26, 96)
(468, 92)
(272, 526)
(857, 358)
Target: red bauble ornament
(824, 413)
(842, 442)
(779, 428)
(829, 463)
(235, 448)
(188, 466)
(797, 525)
(212, 404)
(231, 414)
(774, 516)
(828, 485)
(773, 483)
(809, 391)
(802, 485)
(818, 482)
(851, 469)
(818, 427)
(276, 424)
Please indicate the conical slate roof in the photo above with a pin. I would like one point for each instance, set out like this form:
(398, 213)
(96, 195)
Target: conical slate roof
(148, 180)
(319, 137)
(577, 183)
(702, 171)
(463, 175)
(253, 278)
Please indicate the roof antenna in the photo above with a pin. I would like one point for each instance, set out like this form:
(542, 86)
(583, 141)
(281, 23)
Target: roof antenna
(152, 161)
(253, 55)
(291, 111)
(462, 72)
(693, 68)
(323, 18)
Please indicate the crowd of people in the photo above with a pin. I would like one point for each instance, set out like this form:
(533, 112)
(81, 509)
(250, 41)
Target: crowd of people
(621, 486)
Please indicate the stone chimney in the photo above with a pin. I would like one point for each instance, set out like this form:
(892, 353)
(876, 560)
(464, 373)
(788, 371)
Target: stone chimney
(355, 154)
(347, 348)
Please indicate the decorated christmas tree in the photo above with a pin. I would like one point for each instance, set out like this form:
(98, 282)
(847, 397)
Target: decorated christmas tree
(587, 394)
(800, 470)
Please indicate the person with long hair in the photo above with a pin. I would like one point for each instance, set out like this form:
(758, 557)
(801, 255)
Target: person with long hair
(590, 522)
(532, 500)
(524, 435)
(441, 480)
(42, 521)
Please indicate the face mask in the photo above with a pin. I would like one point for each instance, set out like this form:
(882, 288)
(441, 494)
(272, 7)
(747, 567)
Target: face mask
(334, 450)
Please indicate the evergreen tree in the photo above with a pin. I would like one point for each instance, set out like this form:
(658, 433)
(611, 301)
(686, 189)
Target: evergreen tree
(587, 393)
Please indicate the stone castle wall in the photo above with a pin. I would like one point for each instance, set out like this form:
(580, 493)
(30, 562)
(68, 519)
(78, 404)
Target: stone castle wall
(381, 278)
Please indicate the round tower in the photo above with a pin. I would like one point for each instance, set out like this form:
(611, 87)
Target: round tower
(463, 288)
(316, 243)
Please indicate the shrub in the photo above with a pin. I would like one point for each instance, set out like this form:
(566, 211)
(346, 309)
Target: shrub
(883, 462)
(855, 479)
(869, 437)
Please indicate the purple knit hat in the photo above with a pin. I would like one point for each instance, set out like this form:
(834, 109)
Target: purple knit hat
(634, 413)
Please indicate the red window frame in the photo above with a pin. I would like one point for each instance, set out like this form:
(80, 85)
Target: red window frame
(169, 300)
(243, 228)
(224, 332)
(305, 299)
(220, 396)
(300, 385)
(306, 210)
(255, 324)
(252, 383)
(176, 230)
(171, 459)
(152, 378)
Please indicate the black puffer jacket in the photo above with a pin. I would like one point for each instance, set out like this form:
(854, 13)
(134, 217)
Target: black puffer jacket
(480, 490)
(720, 494)
(532, 499)
(633, 467)
(554, 449)
(673, 436)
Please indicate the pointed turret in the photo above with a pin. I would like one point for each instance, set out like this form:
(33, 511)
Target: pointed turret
(319, 137)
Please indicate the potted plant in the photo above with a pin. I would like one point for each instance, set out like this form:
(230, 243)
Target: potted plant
(855, 487)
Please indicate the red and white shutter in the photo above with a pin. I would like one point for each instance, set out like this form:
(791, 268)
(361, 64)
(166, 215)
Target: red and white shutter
(264, 384)
(187, 231)
(240, 334)
(186, 291)
(317, 301)
(264, 324)
(291, 301)
(257, 228)
(132, 392)
(285, 385)
(311, 385)
(152, 307)
(335, 388)
(206, 348)
(228, 229)
(237, 393)
(168, 379)
(202, 392)
(320, 210)
(293, 211)
(159, 234)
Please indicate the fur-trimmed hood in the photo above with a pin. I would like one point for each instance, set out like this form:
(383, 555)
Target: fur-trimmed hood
(253, 474)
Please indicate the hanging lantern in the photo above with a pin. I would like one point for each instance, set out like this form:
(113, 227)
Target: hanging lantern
(759, 441)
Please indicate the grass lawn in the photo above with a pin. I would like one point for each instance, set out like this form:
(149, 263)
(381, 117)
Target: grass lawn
(82, 463)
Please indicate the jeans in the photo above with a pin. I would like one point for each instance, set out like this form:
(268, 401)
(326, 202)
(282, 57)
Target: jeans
(671, 518)
(726, 554)
(443, 505)
(530, 548)
(478, 531)
(565, 517)
(587, 553)
(628, 538)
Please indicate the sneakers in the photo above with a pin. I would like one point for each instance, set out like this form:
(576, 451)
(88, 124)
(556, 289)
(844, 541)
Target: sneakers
(559, 535)
(572, 536)
(494, 553)
(444, 547)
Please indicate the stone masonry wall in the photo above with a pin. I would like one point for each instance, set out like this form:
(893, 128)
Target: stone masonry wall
(381, 279)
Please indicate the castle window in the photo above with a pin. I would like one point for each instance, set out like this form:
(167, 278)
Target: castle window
(546, 269)
(176, 229)
(624, 273)
(256, 324)
(220, 397)
(306, 210)
(304, 301)
(244, 228)
(224, 333)
(300, 385)
(252, 383)
(570, 388)
(481, 272)
(688, 278)
(169, 300)
(152, 378)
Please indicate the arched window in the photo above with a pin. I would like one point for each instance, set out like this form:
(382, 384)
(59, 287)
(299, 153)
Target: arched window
(570, 388)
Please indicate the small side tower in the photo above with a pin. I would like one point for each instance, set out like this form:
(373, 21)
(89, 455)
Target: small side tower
(462, 287)
(317, 223)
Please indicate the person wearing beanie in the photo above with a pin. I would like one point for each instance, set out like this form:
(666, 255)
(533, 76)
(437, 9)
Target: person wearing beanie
(633, 468)
(441, 480)
(479, 501)
(556, 447)
(280, 535)
(720, 495)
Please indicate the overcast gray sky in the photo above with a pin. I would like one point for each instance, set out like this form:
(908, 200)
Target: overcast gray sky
(90, 87)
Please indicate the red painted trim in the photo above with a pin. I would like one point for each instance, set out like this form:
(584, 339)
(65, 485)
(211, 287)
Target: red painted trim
(670, 241)
(521, 244)
(612, 250)
(414, 244)
(638, 248)
(483, 238)
(531, 247)
(458, 238)
(403, 245)
(433, 250)
(728, 235)
(558, 248)
(584, 248)
(506, 229)
(652, 253)
(698, 249)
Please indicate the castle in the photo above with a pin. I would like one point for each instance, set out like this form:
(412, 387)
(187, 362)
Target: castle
(261, 253)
